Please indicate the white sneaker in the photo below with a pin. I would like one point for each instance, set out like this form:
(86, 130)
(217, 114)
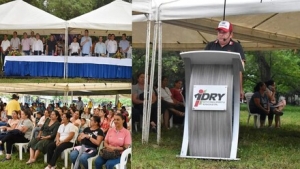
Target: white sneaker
(1, 153)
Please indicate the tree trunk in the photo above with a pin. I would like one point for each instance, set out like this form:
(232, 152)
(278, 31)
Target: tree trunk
(263, 65)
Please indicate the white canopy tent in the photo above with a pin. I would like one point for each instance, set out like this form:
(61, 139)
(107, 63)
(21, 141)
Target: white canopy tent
(86, 89)
(114, 17)
(21, 16)
(258, 26)
(68, 89)
(262, 24)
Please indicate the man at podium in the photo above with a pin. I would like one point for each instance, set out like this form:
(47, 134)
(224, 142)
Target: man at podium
(224, 42)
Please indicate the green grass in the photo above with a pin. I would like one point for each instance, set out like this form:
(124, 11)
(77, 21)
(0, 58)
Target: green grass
(258, 148)
(15, 163)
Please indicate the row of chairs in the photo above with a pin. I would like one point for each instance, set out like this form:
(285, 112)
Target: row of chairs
(65, 153)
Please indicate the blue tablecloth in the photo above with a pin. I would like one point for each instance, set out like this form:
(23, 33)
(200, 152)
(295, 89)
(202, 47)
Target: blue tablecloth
(84, 67)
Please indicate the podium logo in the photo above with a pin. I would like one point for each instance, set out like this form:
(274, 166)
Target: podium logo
(203, 95)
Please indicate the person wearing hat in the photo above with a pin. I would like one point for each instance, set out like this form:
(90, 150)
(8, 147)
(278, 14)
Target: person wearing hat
(224, 42)
(13, 105)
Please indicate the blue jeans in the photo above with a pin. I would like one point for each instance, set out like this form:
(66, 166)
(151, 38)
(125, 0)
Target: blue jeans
(83, 158)
(110, 55)
(3, 123)
(109, 164)
(26, 52)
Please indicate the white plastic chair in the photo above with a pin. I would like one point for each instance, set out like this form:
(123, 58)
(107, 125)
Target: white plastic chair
(67, 151)
(91, 159)
(20, 146)
(124, 159)
(255, 116)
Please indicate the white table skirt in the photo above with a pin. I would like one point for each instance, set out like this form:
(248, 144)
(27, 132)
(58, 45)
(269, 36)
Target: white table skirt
(72, 59)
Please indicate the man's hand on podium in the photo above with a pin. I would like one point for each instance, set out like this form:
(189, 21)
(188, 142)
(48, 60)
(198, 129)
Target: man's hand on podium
(242, 94)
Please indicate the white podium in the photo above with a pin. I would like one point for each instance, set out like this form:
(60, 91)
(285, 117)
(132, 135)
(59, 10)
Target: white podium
(212, 134)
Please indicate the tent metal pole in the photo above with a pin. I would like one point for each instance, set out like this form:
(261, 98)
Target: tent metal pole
(159, 65)
(66, 53)
(224, 10)
(144, 131)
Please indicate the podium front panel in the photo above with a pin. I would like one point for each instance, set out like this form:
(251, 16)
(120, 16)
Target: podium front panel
(210, 132)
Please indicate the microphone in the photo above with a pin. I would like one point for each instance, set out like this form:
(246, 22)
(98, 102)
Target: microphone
(226, 38)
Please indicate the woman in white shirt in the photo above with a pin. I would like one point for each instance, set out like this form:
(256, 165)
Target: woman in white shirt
(74, 47)
(37, 46)
(65, 138)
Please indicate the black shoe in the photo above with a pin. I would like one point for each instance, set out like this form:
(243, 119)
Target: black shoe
(153, 129)
(5, 159)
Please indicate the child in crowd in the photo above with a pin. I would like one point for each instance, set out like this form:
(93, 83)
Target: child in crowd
(83, 125)
(37, 118)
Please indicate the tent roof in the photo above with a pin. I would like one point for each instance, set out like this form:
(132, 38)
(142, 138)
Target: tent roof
(19, 15)
(272, 26)
(58, 89)
(115, 16)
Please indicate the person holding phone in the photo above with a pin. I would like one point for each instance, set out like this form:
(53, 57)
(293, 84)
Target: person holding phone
(46, 136)
(90, 139)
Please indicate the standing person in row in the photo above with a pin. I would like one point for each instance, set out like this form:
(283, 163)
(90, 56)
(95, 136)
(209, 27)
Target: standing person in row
(124, 45)
(100, 48)
(25, 44)
(37, 46)
(112, 46)
(32, 40)
(86, 43)
(51, 48)
(5, 47)
(15, 42)
(74, 47)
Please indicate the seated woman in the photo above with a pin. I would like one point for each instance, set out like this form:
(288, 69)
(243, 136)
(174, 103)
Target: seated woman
(3, 117)
(40, 123)
(21, 134)
(259, 102)
(90, 139)
(104, 123)
(138, 101)
(169, 103)
(177, 95)
(75, 119)
(46, 136)
(11, 124)
(110, 118)
(275, 106)
(65, 138)
(117, 138)
(86, 113)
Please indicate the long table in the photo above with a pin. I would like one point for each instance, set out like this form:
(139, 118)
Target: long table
(53, 66)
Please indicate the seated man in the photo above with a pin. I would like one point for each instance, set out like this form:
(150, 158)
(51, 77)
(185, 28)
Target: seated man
(276, 106)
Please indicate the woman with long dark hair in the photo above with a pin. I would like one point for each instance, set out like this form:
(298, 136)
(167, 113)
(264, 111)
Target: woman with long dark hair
(65, 138)
(259, 102)
(116, 139)
(45, 136)
(90, 139)
(138, 100)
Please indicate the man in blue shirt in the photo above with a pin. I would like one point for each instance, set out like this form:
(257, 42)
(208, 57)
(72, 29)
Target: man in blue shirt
(86, 43)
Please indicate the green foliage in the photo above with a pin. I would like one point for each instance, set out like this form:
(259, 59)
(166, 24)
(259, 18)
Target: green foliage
(172, 65)
(282, 66)
(266, 148)
(66, 9)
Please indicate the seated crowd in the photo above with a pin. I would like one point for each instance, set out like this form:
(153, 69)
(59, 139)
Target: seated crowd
(264, 103)
(80, 45)
(172, 102)
(52, 130)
